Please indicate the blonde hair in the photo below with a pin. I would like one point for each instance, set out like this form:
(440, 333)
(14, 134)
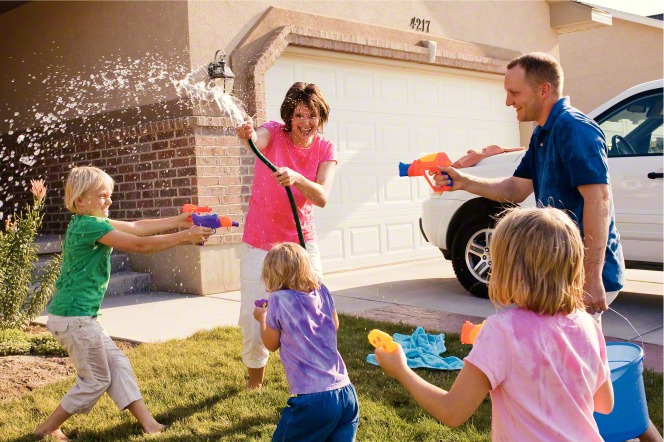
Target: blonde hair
(287, 266)
(81, 180)
(537, 256)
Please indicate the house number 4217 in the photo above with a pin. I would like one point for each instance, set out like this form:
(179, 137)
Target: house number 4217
(420, 24)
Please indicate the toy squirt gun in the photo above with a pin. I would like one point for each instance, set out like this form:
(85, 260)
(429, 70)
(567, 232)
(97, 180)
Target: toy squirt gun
(211, 220)
(428, 163)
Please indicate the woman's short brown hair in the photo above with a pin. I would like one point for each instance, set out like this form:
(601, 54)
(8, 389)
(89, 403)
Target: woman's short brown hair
(309, 95)
(287, 266)
(537, 256)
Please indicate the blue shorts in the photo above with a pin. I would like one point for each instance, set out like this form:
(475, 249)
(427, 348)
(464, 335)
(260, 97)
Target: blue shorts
(326, 416)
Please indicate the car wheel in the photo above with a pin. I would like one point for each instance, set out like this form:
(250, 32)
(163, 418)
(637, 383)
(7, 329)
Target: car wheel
(471, 258)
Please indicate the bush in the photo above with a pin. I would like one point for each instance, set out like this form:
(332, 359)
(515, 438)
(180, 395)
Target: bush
(44, 344)
(18, 342)
(23, 296)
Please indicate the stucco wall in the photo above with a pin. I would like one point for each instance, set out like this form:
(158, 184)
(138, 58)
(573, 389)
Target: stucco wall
(44, 44)
(518, 25)
(601, 63)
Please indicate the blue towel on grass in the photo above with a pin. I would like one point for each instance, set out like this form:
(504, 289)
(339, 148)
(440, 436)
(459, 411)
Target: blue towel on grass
(423, 351)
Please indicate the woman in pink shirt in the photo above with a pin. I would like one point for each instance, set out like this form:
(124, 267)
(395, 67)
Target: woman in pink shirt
(305, 161)
(544, 360)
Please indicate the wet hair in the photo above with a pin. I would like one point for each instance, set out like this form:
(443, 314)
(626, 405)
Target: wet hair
(310, 96)
(81, 180)
(537, 256)
(539, 68)
(287, 266)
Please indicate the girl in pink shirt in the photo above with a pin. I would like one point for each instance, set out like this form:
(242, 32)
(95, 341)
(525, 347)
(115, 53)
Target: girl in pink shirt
(544, 360)
(305, 161)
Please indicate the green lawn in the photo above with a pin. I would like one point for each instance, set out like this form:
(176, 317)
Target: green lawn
(196, 387)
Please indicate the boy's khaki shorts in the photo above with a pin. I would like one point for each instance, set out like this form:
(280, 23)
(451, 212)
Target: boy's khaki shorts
(100, 365)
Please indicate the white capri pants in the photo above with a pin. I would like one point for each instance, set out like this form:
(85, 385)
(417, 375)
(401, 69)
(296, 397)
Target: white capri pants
(101, 367)
(252, 288)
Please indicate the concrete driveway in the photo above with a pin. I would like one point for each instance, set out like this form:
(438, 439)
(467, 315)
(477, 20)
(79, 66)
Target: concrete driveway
(431, 284)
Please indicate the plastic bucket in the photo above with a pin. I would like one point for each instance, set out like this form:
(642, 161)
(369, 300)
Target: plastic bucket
(629, 417)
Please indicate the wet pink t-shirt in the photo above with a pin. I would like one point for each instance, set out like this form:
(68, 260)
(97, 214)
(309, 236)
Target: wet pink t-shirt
(270, 219)
(544, 372)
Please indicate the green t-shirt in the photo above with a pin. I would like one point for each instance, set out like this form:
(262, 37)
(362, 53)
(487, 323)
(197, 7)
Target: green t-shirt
(86, 268)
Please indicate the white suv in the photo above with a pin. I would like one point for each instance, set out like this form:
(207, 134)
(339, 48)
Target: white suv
(460, 224)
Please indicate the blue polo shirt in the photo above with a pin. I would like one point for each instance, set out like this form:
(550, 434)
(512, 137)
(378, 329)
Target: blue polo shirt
(568, 152)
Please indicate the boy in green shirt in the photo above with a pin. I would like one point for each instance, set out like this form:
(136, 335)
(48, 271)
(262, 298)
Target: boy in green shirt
(86, 269)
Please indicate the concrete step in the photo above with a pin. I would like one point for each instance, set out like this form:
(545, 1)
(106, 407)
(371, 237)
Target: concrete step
(49, 244)
(119, 262)
(123, 280)
(123, 283)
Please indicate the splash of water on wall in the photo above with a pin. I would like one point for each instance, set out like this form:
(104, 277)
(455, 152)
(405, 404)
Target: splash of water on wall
(74, 96)
(196, 87)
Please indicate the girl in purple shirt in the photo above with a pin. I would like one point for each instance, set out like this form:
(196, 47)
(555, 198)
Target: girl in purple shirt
(302, 322)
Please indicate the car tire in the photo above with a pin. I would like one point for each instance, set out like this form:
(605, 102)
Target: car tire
(471, 258)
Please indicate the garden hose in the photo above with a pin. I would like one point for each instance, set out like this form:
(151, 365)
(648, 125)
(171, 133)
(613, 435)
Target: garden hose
(273, 168)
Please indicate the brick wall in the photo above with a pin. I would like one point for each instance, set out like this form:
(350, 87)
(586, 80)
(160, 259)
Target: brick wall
(157, 167)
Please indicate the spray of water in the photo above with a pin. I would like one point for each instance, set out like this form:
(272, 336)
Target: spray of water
(196, 87)
(77, 96)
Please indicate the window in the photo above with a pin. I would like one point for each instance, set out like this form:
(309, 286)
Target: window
(634, 127)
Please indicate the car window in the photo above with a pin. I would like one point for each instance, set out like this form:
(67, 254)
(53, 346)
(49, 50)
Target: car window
(634, 126)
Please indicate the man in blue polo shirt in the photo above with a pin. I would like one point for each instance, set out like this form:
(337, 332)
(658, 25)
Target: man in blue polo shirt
(566, 166)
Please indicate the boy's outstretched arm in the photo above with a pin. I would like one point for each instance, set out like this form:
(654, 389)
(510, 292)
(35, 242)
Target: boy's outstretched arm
(136, 244)
(451, 408)
(147, 227)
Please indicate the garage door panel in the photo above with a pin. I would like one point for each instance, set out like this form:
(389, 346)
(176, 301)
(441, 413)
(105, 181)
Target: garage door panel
(393, 90)
(364, 241)
(393, 138)
(326, 80)
(425, 94)
(426, 137)
(454, 96)
(399, 237)
(396, 190)
(380, 116)
(361, 190)
(331, 245)
(358, 87)
(456, 142)
(359, 137)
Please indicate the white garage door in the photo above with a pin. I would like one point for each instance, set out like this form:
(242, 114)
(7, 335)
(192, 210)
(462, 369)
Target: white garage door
(383, 113)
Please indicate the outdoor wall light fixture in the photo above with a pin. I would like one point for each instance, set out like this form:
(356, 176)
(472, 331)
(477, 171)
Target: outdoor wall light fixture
(219, 70)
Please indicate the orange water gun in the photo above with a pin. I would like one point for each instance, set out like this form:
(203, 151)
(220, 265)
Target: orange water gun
(428, 163)
(379, 338)
(469, 332)
(192, 208)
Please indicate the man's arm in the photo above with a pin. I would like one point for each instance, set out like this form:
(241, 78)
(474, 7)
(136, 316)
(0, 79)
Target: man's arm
(596, 221)
(510, 189)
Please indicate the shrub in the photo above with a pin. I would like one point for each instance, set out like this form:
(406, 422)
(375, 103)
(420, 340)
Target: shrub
(14, 342)
(45, 344)
(17, 342)
(23, 295)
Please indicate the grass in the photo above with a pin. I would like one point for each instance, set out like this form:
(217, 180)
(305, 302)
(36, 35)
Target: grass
(196, 387)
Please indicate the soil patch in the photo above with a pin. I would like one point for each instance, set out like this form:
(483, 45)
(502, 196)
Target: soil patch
(22, 374)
